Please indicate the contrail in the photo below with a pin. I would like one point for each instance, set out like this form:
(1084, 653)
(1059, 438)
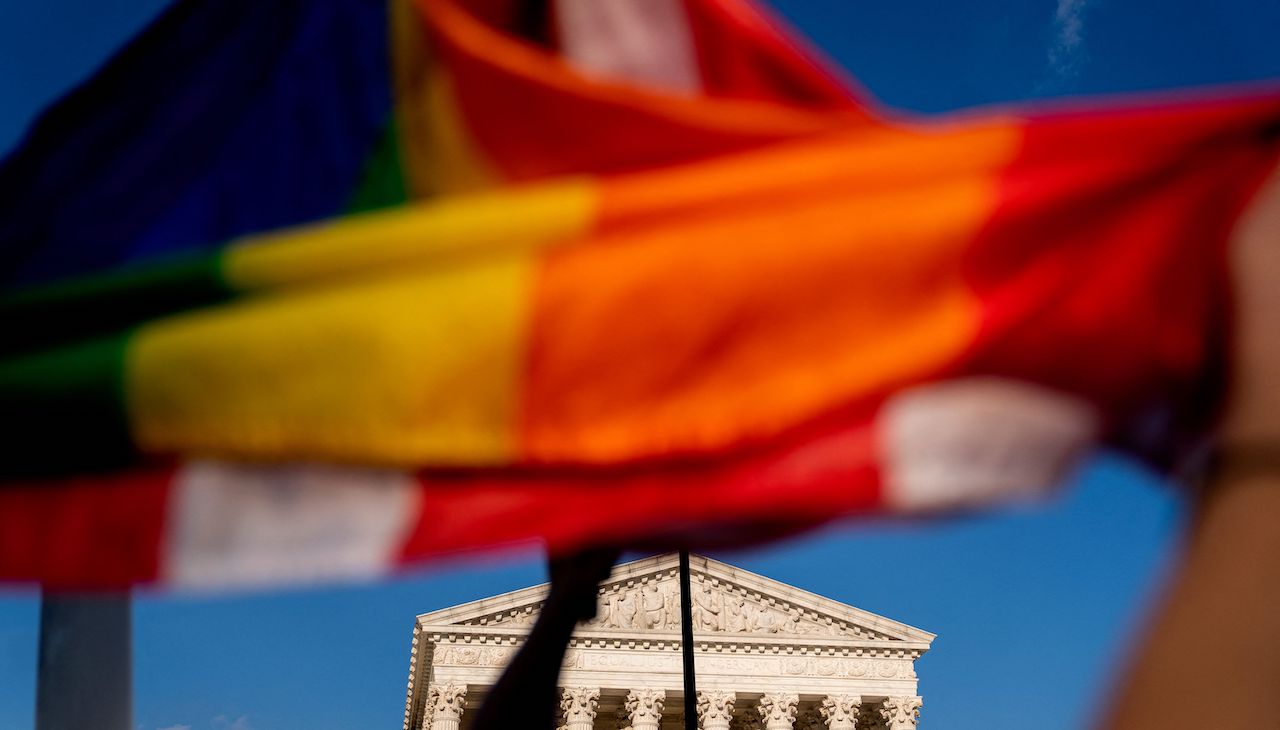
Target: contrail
(1068, 37)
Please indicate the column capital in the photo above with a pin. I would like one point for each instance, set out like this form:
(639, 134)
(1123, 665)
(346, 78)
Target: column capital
(644, 707)
(579, 704)
(841, 711)
(778, 710)
(900, 713)
(715, 708)
(445, 701)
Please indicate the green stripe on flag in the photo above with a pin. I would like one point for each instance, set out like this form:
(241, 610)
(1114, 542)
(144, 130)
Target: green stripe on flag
(65, 409)
(65, 312)
(382, 182)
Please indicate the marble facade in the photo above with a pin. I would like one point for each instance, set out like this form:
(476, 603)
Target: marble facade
(769, 656)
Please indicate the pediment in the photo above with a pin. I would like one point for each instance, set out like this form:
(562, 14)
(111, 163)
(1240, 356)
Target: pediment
(643, 596)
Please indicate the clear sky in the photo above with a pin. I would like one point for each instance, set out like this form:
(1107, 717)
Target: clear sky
(1034, 607)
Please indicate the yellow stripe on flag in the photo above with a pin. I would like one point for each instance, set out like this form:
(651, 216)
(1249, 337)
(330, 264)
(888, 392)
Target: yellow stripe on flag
(420, 368)
(387, 241)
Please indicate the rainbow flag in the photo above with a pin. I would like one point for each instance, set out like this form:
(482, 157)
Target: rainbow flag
(706, 301)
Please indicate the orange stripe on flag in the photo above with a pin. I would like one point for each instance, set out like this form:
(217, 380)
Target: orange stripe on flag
(665, 340)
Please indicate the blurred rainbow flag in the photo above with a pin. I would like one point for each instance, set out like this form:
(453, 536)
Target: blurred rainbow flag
(304, 290)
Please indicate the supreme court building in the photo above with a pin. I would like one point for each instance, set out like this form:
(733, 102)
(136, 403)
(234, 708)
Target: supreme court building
(769, 656)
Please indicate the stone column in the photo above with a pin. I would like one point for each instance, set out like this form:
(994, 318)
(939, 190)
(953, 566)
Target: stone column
(778, 710)
(841, 711)
(900, 713)
(444, 706)
(579, 705)
(644, 708)
(715, 709)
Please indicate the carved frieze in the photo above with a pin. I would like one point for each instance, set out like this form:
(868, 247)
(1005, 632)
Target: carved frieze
(653, 604)
(478, 656)
(604, 659)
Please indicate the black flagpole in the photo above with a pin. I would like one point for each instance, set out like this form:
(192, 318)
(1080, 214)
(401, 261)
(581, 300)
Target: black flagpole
(85, 675)
(686, 644)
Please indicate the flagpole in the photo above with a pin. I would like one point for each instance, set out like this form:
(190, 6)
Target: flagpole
(85, 674)
(686, 643)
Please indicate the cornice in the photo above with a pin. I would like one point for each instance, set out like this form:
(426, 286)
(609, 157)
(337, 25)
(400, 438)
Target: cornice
(808, 645)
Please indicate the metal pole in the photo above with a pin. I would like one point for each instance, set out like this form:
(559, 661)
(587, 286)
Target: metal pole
(686, 644)
(85, 675)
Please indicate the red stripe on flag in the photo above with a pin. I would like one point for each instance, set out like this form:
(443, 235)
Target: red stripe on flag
(746, 52)
(103, 531)
(823, 473)
(535, 117)
(1102, 269)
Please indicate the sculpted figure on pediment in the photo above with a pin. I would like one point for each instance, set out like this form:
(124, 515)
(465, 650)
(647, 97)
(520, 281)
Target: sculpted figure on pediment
(743, 616)
(628, 610)
(607, 615)
(672, 617)
(619, 612)
(735, 618)
(654, 602)
(653, 606)
(795, 623)
(673, 609)
(766, 621)
(748, 611)
(708, 608)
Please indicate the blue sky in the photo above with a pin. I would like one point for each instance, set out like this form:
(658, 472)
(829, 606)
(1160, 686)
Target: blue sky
(1034, 607)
